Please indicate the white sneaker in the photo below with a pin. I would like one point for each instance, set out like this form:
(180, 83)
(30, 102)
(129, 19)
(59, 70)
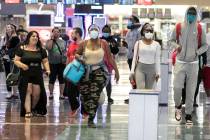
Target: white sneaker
(178, 114)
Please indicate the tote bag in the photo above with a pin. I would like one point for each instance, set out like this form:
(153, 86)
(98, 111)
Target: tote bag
(74, 71)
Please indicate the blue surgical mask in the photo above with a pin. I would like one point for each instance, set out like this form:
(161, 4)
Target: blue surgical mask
(191, 18)
(129, 25)
(106, 35)
(94, 34)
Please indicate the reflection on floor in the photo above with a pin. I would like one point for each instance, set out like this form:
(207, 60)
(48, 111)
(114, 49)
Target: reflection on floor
(112, 120)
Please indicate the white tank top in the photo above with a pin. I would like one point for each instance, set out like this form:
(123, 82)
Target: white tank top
(94, 56)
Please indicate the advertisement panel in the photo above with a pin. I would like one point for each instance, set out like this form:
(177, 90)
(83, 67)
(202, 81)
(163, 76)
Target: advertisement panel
(12, 1)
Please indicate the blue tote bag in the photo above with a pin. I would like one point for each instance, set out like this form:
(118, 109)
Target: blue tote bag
(74, 71)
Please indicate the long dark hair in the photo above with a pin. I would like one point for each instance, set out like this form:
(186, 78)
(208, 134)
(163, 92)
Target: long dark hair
(39, 44)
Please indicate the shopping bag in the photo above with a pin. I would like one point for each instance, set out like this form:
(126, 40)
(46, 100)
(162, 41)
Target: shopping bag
(101, 99)
(74, 71)
(157, 85)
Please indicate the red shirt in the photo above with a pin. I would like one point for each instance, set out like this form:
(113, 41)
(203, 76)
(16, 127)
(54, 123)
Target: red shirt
(71, 51)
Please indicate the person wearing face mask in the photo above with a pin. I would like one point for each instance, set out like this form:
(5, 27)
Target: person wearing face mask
(132, 36)
(93, 53)
(146, 60)
(72, 90)
(106, 35)
(186, 67)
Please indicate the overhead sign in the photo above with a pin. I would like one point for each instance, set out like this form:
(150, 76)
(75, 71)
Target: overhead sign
(12, 1)
(59, 12)
(145, 2)
(17, 9)
(69, 12)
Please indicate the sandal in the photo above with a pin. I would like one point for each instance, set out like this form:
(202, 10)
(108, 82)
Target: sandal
(28, 115)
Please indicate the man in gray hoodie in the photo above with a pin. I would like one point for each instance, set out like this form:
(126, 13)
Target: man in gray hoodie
(186, 67)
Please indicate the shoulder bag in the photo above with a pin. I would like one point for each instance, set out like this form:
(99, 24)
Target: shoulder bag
(13, 77)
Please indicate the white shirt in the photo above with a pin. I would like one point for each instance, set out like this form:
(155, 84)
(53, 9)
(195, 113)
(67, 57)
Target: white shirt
(147, 54)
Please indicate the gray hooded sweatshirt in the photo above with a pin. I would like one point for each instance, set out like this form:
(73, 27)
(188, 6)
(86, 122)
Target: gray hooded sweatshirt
(189, 41)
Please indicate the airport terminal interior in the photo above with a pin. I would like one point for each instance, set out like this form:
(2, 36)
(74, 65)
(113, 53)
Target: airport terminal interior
(149, 114)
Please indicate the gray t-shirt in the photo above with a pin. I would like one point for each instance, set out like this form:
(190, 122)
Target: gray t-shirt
(131, 37)
(54, 55)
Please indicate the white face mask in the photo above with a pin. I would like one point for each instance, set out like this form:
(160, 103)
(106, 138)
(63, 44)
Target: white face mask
(148, 35)
(94, 34)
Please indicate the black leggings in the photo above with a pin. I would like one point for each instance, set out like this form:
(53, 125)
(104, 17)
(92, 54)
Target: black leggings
(109, 88)
(56, 70)
(129, 61)
(73, 96)
(7, 65)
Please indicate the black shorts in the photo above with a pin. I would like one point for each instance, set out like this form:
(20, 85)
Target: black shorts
(34, 79)
(56, 70)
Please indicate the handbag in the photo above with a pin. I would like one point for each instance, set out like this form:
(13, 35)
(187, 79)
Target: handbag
(13, 77)
(74, 71)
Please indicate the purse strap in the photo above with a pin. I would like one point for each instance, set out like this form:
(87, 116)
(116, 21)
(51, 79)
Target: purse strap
(14, 68)
(59, 49)
(137, 54)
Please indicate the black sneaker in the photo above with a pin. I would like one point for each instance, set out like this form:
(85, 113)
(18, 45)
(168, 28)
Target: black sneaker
(110, 100)
(195, 105)
(188, 119)
(51, 97)
(61, 98)
(12, 97)
(15, 97)
(91, 124)
(126, 101)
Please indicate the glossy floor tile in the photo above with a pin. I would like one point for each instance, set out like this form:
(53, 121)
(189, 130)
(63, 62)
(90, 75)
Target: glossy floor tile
(112, 120)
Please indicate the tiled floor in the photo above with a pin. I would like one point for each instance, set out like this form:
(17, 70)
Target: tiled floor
(112, 120)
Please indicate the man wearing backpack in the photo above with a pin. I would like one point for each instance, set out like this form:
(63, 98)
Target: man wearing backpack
(186, 67)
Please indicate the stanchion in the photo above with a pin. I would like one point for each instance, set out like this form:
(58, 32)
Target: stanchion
(143, 115)
(163, 97)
